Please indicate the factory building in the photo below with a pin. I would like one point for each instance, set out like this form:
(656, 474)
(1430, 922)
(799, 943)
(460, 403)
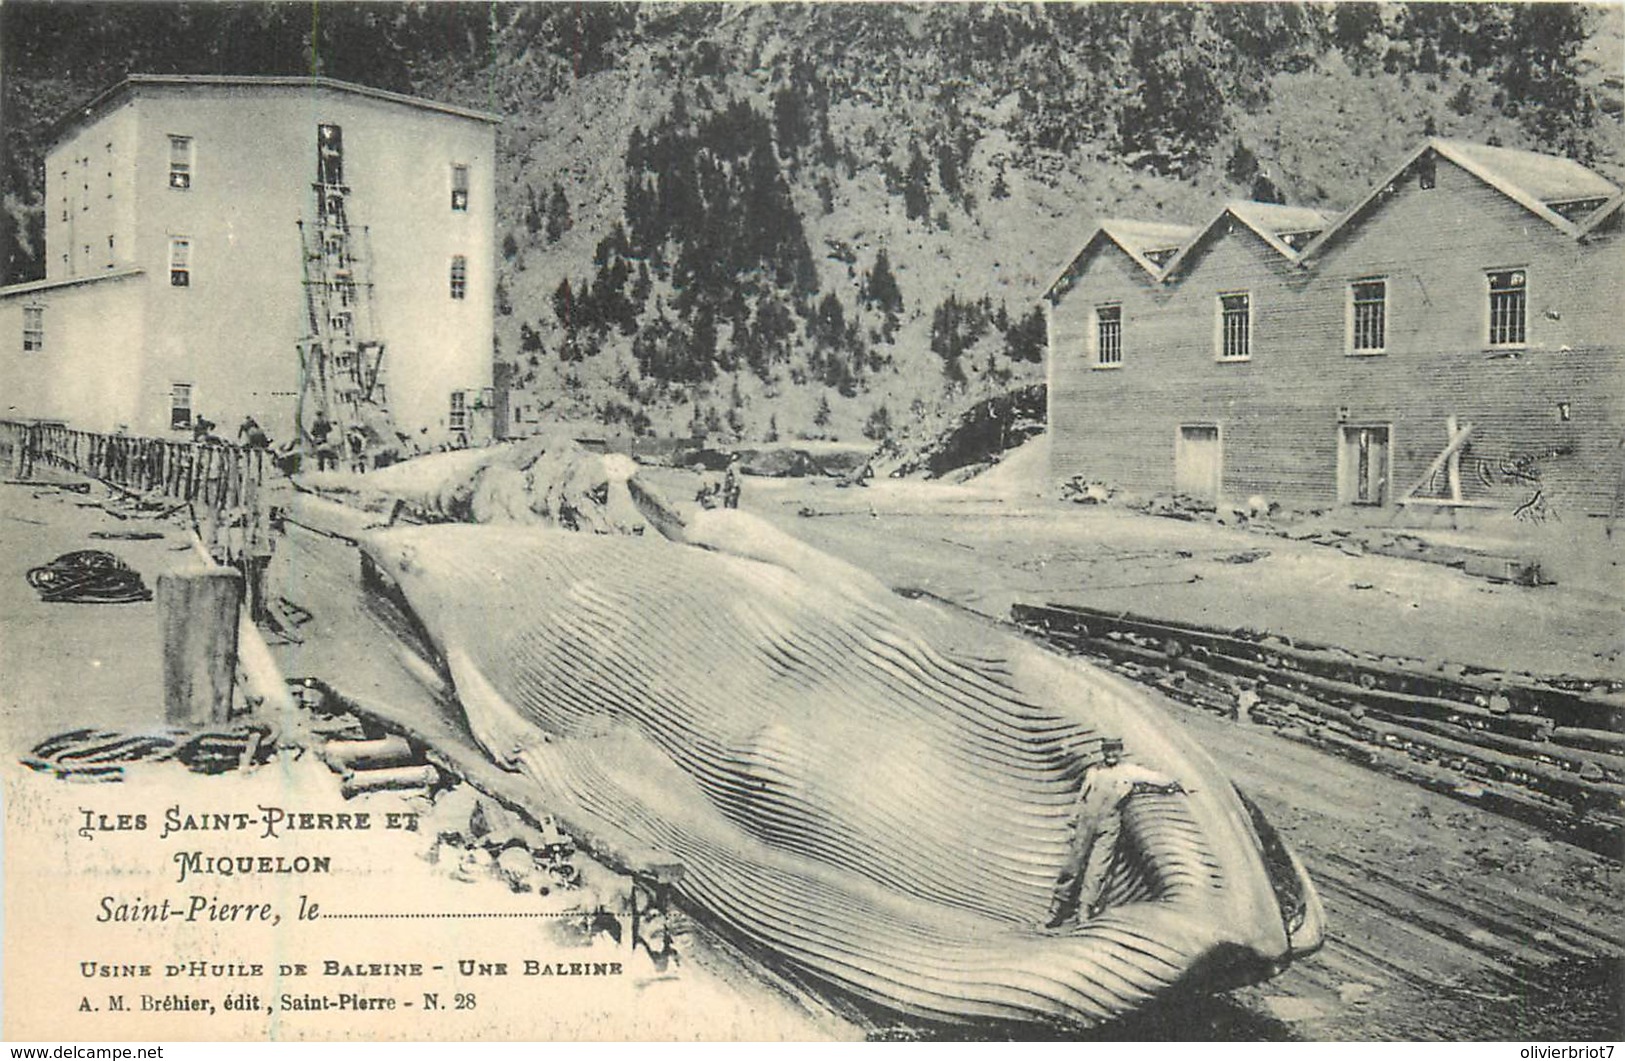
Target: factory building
(1452, 341)
(232, 246)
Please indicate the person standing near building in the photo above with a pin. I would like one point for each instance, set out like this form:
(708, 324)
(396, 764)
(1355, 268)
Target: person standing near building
(252, 435)
(357, 440)
(321, 439)
(731, 486)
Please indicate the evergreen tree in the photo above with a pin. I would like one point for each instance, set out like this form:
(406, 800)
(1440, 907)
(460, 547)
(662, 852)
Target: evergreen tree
(877, 427)
(564, 305)
(558, 214)
(1000, 189)
(823, 414)
(1027, 338)
(533, 216)
(917, 187)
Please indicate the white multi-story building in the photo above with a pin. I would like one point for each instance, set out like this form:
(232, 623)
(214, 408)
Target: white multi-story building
(176, 282)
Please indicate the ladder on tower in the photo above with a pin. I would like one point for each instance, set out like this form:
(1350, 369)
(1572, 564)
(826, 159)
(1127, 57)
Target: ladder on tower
(341, 357)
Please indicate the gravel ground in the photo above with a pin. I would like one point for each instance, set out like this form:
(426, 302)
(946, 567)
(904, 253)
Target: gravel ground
(1445, 921)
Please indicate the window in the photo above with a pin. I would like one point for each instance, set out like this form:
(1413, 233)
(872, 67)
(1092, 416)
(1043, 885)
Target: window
(1235, 327)
(1508, 303)
(329, 154)
(180, 162)
(180, 262)
(1108, 335)
(33, 329)
(459, 277)
(459, 187)
(1427, 171)
(180, 406)
(458, 421)
(1368, 316)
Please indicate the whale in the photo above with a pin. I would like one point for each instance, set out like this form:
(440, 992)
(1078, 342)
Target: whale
(923, 812)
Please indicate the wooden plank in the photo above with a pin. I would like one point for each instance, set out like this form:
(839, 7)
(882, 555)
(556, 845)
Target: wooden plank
(198, 609)
(1445, 502)
(1453, 464)
(1453, 447)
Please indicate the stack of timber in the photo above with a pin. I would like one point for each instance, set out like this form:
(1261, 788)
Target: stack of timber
(1551, 752)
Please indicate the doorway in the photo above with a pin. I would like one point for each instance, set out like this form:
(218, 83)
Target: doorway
(1198, 461)
(1364, 465)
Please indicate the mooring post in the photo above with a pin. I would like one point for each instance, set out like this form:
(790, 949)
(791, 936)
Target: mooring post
(198, 609)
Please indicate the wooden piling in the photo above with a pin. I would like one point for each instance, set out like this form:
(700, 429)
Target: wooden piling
(198, 609)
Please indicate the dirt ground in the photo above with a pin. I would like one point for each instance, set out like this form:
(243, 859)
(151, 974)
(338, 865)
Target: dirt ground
(1446, 922)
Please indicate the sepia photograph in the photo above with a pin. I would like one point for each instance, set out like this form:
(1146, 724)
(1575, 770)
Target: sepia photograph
(531, 522)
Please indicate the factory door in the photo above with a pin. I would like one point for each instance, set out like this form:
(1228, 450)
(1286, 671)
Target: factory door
(1363, 465)
(1198, 461)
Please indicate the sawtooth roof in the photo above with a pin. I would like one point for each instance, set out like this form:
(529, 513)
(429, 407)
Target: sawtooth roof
(1534, 181)
(1601, 215)
(1549, 178)
(1530, 179)
(1147, 243)
(1286, 229)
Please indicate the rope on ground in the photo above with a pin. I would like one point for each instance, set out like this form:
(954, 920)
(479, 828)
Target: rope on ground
(88, 576)
(102, 755)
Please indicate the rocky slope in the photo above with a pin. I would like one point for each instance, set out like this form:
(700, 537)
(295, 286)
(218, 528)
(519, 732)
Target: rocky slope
(835, 220)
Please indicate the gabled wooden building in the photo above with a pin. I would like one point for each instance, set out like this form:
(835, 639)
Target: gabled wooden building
(1451, 340)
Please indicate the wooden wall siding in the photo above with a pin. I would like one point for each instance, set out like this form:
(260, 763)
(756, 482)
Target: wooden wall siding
(1280, 410)
(1108, 276)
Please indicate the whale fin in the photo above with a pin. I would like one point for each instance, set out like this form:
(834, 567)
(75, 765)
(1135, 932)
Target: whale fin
(501, 730)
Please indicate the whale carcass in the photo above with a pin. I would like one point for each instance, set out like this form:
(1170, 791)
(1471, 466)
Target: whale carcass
(932, 816)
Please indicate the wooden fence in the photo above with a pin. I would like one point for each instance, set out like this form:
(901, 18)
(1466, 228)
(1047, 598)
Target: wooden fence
(214, 477)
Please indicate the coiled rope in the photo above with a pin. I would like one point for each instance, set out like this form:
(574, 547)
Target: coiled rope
(88, 576)
(102, 755)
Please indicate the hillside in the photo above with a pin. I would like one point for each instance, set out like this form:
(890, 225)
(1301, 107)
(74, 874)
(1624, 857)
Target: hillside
(835, 220)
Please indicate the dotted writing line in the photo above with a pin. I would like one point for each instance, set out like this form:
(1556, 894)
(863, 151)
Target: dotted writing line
(434, 917)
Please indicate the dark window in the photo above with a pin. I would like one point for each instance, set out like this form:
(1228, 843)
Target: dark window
(1369, 299)
(1508, 307)
(180, 162)
(33, 329)
(459, 277)
(458, 420)
(1427, 171)
(180, 406)
(180, 263)
(329, 154)
(1109, 335)
(1235, 327)
(459, 187)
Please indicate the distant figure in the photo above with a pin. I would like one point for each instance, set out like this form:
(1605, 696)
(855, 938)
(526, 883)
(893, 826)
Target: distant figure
(731, 485)
(321, 433)
(252, 435)
(203, 430)
(710, 492)
(357, 439)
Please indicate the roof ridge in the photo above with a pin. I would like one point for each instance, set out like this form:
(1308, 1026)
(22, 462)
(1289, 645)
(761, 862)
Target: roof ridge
(83, 112)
